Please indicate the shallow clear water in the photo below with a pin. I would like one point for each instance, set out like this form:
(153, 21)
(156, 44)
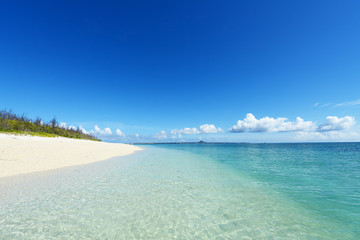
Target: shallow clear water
(209, 191)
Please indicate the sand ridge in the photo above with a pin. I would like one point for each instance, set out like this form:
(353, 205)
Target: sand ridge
(21, 154)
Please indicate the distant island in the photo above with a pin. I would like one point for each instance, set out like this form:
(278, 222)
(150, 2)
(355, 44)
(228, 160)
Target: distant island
(21, 124)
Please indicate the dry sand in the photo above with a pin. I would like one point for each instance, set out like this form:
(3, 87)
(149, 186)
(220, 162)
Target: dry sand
(27, 154)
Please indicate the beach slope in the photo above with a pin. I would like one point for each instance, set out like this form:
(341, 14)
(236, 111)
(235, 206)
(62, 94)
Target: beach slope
(27, 154)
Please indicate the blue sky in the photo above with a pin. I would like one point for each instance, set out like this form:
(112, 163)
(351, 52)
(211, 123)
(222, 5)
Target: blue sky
(149, 66)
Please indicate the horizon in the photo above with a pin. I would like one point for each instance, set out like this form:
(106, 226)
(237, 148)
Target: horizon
(255, 143)
(132, 72)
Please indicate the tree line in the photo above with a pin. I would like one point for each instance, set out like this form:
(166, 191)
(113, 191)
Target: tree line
(12, 122)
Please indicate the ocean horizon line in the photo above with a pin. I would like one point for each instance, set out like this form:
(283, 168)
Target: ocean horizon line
(203, 142)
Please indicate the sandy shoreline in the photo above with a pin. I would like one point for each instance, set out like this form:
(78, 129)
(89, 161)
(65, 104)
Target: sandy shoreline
(28, 154)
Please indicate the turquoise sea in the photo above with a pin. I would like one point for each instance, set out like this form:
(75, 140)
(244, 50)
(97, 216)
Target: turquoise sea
(193, 191)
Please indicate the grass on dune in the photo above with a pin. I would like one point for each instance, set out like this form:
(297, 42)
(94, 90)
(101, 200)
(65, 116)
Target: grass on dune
(20, 124)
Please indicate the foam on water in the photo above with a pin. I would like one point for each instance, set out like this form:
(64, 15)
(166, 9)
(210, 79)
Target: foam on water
(164, 193)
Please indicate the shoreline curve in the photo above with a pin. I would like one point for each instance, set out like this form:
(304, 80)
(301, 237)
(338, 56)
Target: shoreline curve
(21, 154)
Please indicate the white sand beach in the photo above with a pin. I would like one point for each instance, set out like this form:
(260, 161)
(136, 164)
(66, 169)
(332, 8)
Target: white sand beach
(21, 154)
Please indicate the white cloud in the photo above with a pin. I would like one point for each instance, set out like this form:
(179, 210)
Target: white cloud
(162, 135)
(269, 124)
(209, 128)
(108, 131)
(72, 127)
(178, 136)
(203, 129)
(97, 130)
(334, 123)
(83, 130)
(137, 135)
(186, 131)
(351, 103)
(327, 136)
(120, 133)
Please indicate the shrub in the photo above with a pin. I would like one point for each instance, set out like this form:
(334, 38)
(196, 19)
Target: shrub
(10, 122)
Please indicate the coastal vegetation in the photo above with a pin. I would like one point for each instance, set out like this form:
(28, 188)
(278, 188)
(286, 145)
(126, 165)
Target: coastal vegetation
(21, 124)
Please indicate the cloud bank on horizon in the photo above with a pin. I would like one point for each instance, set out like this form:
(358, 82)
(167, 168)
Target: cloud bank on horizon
(305, 130)
(331, 129)
(203, 129)
(269, 124)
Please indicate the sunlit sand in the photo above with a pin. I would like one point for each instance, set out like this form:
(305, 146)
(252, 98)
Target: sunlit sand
(27, 154)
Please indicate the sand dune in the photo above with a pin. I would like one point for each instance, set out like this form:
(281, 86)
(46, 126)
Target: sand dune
(26, 154)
